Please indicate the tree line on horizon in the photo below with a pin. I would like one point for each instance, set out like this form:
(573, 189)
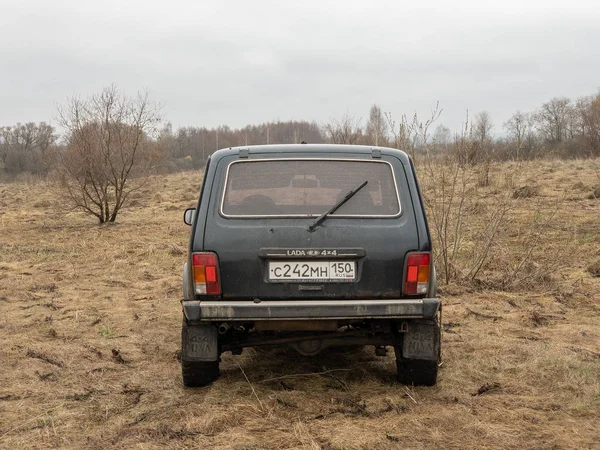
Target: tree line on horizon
(561, 127)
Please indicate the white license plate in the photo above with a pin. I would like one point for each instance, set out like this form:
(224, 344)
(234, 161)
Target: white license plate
(312, 270)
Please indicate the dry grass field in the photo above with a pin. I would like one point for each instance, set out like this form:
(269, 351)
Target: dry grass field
(90, 333)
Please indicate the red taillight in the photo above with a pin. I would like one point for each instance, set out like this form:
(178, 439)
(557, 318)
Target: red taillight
(416, 280)
(206, 274)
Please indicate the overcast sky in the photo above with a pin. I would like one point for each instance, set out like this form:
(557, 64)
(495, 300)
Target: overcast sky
(247, 62)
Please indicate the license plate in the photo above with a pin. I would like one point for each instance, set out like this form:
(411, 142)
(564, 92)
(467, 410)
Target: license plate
(312, 271)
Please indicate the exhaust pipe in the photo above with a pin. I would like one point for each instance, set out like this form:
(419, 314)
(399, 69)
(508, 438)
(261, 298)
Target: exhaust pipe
(223, 328)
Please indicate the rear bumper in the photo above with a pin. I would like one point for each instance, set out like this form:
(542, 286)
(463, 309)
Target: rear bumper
(247, 310)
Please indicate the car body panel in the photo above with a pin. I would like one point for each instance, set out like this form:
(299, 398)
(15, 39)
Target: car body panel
(238, 241)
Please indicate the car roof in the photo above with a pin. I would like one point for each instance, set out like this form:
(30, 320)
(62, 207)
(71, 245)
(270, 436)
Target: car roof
(325, 149)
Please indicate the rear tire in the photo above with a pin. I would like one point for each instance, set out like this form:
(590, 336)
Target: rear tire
(417, 372)
(199, 373)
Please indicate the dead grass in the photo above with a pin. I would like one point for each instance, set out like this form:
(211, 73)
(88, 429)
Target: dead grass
(89, 339)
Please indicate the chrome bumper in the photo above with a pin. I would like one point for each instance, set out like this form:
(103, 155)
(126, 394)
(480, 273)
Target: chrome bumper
(248, 310)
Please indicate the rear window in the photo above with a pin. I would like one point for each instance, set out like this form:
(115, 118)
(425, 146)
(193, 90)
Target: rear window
(309, 187)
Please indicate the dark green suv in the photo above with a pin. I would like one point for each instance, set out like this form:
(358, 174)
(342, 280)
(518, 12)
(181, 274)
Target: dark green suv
(310, 246)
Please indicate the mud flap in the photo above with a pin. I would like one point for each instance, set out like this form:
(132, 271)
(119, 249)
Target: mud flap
(421, 342)
(199, 343)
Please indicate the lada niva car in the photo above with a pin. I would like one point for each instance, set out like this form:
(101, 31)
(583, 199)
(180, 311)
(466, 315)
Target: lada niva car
(310, 246)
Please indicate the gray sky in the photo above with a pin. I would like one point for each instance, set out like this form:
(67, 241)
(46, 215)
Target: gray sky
(238, 63)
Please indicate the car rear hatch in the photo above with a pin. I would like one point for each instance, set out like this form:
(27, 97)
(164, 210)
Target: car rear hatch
(259, 225)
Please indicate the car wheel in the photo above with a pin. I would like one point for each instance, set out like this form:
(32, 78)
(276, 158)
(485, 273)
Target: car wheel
(199, 373)
(417, 372)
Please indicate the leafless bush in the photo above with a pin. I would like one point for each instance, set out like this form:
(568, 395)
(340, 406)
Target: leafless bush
(410, 135)
(485, 239)
(470, 228)
(446, 190)
(527, 268)
(110, 152)
(464, 234)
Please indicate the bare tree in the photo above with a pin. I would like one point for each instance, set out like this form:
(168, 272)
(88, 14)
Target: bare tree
(517, 128)
(481, 136)
(589, 110)
(23, 147)
(377, 127)
(110, 152)
(553, 119)
(167, 140)
(482, 128)
(347, 130)
(442, 136)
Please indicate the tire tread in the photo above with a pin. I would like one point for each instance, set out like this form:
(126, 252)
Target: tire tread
(199, 373)
(417, 372)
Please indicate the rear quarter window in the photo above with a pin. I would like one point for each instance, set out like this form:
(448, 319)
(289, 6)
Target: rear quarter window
(309, 187)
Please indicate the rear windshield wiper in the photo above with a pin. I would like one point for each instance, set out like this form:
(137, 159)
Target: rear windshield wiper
(312, 227)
